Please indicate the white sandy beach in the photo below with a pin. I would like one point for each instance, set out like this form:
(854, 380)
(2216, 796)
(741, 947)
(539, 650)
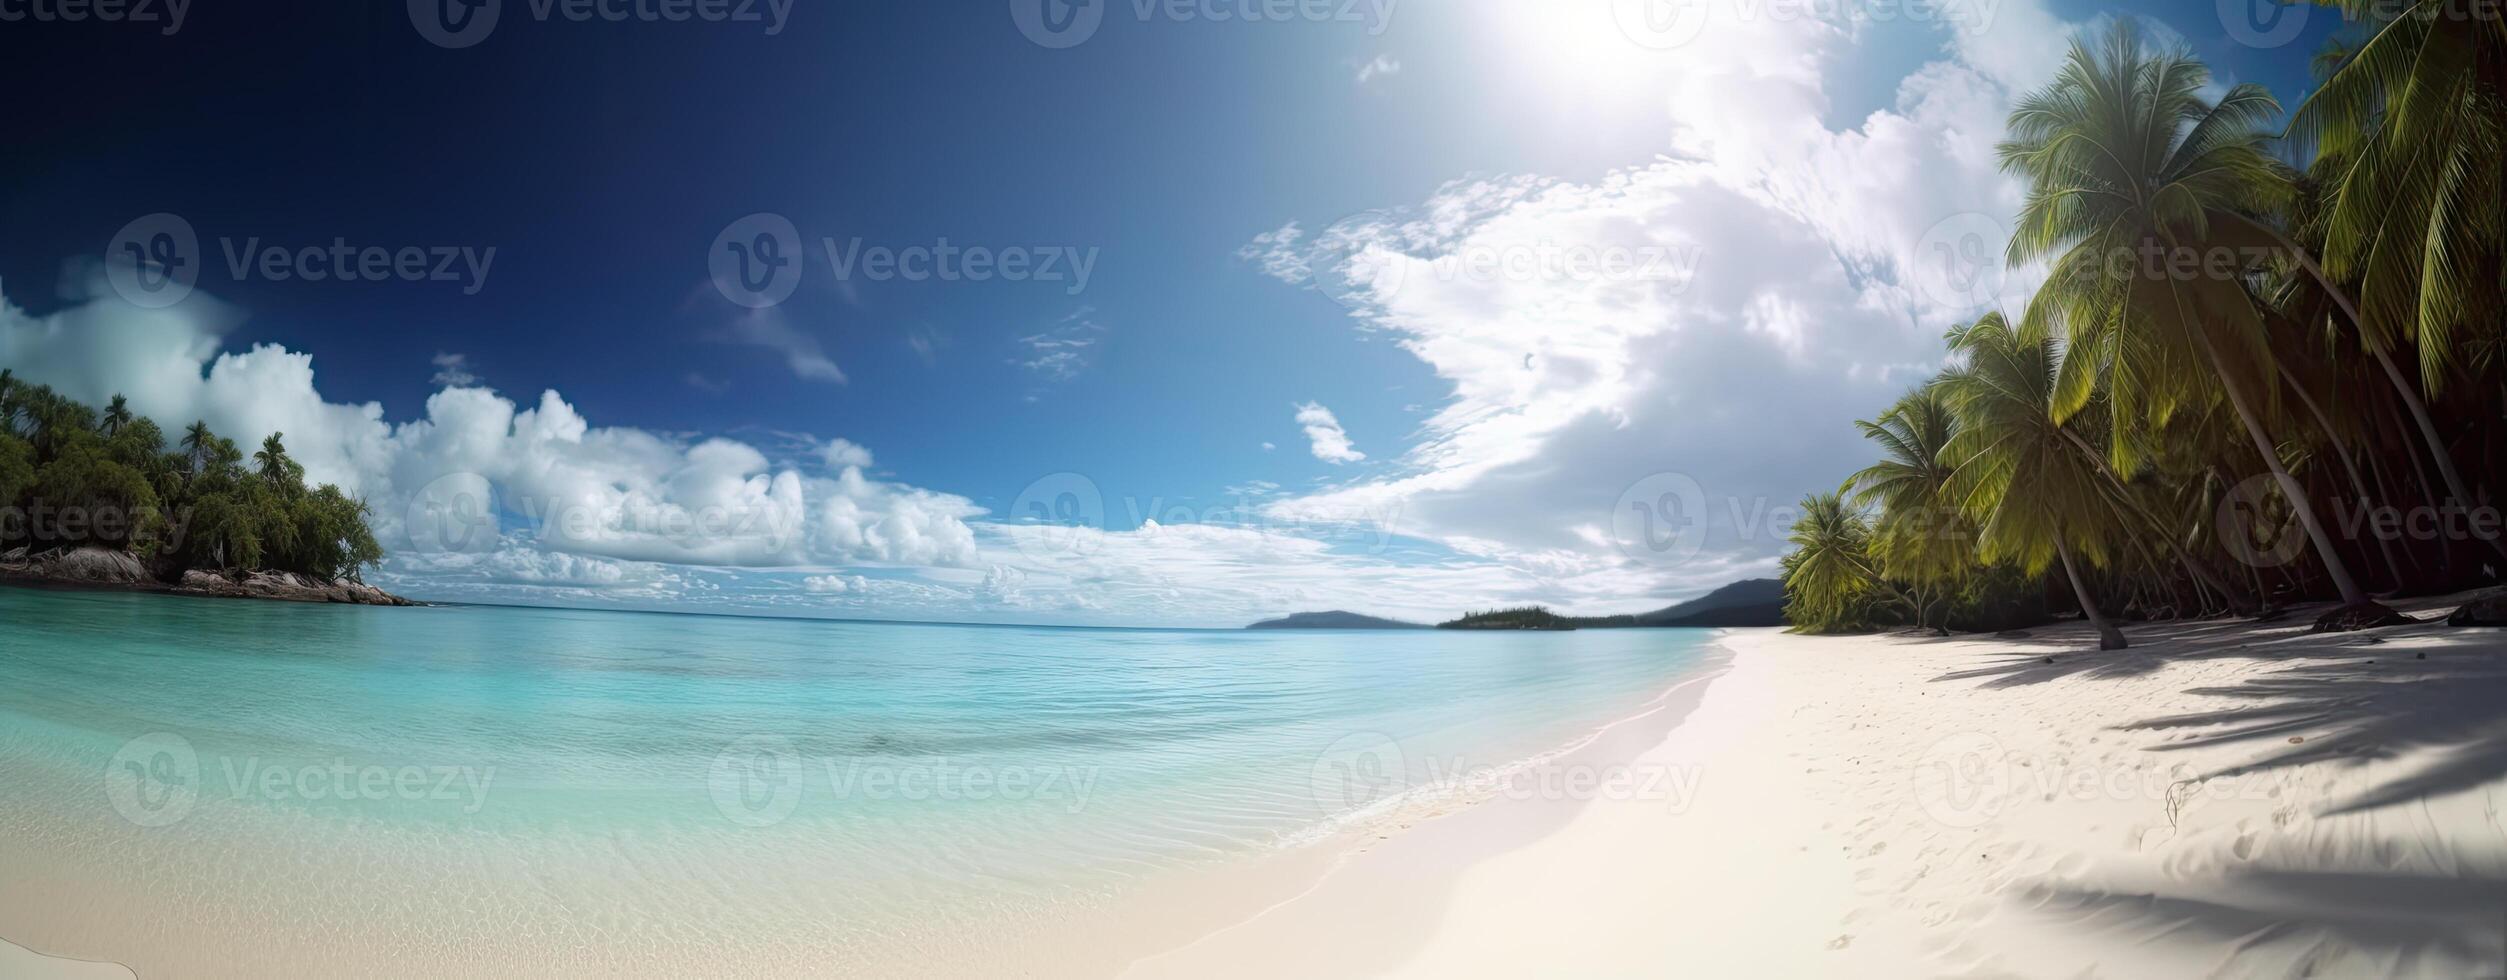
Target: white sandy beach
(2224, 800)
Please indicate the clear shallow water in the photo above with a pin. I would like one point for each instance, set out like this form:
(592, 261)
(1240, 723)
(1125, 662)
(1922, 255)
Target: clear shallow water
(588, 776)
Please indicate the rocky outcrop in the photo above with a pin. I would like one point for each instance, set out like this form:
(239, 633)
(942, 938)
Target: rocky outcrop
(97, 566)
(2488, 610)
(2363, 616)
(105, 568)
(285, 586)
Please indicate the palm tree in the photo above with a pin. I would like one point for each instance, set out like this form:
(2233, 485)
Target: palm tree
(2125, 159)
(117, 415)
(272, 462)
(198, 442)
(2408, 128)
(1828, 578)
(1920, 537)
(2034, 496)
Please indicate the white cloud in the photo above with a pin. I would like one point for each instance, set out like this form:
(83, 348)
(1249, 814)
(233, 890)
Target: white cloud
(834, 584)
(1331, 444)
(767, 328)
(1381, 66)
(1062, 352)
(1573, 394)
(572, 488)
(453, 370)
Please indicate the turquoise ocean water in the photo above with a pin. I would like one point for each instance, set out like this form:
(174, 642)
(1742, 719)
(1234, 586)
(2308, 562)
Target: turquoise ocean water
(689, 780)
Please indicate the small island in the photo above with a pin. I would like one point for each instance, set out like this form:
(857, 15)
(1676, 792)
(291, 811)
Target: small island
(97, 499)
(1520, 618)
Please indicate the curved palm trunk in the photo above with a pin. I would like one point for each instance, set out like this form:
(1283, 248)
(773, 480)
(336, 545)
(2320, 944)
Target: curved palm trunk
(2334, 567)
(2238, 603)
(2109, 638)
(2341, 451)
(2419, 409)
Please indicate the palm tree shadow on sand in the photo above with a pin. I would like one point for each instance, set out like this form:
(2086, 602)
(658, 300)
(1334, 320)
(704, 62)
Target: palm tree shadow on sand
(2351, 699)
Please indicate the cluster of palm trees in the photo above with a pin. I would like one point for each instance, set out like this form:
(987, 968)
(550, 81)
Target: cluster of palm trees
(2244, 382)
(73, 477)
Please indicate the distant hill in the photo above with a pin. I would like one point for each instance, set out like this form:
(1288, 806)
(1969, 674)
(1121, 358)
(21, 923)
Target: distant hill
(1333, 620)
(1749, 602)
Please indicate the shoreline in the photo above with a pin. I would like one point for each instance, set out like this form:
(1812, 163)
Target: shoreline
(2225, 799)
(123, 573)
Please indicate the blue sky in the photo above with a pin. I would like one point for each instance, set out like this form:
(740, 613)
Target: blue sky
(602, 161)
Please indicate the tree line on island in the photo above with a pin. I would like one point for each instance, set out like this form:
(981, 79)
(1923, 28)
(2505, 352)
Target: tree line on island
(2247, 382)
(73, 477)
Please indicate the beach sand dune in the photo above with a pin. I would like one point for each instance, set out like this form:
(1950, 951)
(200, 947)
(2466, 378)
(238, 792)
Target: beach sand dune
(2223, 800)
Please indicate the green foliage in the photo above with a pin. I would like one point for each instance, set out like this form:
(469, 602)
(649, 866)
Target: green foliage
(80, 478)
(2167, 439)
(1830, 582)
(1519, 618)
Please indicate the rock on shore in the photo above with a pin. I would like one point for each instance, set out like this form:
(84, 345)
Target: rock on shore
(101, 567)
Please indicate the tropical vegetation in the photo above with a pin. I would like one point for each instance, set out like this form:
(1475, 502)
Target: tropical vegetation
(73, 477)
(2245, 382)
